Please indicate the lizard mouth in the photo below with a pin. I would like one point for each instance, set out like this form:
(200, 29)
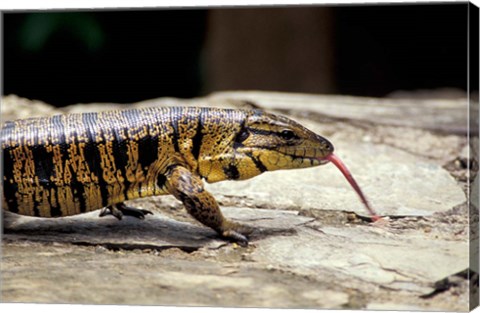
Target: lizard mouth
(317, 161)
(313, 161)
(324, 160)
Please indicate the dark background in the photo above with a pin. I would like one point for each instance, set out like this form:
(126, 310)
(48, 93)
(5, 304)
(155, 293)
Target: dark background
(126, 56)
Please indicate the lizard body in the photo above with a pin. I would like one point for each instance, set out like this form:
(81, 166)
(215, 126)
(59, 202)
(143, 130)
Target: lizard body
(75, 163)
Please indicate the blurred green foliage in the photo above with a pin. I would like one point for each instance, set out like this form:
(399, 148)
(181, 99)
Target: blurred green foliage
(38, 28)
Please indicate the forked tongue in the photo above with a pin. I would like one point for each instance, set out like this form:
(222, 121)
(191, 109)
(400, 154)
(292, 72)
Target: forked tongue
(339, 164)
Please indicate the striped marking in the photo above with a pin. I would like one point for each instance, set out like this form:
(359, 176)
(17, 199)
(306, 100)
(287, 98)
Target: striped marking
(198, 138)
(258, 164)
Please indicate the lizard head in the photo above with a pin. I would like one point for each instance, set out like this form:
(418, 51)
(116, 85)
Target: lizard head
(266, 142)
(277, 142)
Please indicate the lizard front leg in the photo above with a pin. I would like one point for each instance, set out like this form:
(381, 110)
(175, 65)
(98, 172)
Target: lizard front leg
(188, 188)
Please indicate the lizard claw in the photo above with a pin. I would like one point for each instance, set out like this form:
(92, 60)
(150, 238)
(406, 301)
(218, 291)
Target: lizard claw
(111, 210)
(237, 233)
(120, 209)
(242, 240)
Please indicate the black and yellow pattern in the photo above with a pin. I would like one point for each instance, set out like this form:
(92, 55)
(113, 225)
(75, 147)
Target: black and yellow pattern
(70, 164)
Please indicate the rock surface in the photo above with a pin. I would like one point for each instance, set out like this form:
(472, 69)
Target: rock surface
(313, 246)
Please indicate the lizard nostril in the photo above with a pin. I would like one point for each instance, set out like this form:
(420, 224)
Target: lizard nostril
(328, 146)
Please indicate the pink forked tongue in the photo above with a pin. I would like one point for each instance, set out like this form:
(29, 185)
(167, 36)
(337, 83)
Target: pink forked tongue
(339, 164)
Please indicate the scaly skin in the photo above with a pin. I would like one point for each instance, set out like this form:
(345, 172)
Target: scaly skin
(70, 164)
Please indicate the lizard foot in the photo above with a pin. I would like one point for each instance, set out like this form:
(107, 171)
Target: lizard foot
(120, 209)
(111, 210)
(237, 233)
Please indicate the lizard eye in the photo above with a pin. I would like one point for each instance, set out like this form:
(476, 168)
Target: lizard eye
(287, 134)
